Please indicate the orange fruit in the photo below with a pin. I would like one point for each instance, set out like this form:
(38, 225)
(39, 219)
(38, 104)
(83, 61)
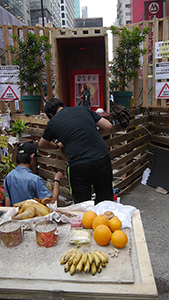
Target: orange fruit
(119, 239)
(115, 224)
(100, 220)
(102, 235)
(88, 218)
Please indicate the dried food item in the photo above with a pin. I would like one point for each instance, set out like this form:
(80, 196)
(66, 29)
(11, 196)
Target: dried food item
(80, 236)
(66, 213)
(76, 223)
(109, 214)
(29, 209)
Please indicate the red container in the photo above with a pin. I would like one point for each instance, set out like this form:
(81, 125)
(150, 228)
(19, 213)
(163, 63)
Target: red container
(11, 233)
(46, 234)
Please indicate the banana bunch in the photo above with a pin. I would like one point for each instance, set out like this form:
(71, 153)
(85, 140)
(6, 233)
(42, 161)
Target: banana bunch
(76, 261)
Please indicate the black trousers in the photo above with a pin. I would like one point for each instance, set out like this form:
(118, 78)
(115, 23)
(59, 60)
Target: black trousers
(97, 173)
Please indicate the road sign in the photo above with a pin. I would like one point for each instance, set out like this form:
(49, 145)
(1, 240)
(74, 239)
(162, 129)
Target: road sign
(9, 92)
(162, 90)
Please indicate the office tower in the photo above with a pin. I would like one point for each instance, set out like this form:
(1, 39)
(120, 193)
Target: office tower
(77, 9)
(84, 12)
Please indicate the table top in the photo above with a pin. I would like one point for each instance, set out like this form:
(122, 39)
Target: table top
(33, 271)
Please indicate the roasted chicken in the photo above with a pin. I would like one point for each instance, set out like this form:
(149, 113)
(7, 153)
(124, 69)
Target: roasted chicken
(29, 209)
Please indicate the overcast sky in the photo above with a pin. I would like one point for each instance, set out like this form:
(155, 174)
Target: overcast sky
(106, 9)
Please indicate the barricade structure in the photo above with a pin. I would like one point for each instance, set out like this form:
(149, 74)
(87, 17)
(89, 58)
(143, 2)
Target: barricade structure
(131, 149)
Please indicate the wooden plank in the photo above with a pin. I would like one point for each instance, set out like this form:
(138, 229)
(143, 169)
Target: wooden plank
(155, 39)
(46, 174)
(107, 107)
(121, 138)
(145, 71)
(131, 166)
(52, 162)
(159, 129)
(132, 177)
(130, 187)
(121, 161)
(48, 70)
(6, 45)
(163, 141)
(159, 119)
(55, 58)
(129, 147)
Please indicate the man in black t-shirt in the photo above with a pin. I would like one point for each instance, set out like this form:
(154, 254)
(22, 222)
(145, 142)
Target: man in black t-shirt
(77, 129)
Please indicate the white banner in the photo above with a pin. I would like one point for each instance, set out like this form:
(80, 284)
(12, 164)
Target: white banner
(161, 49)
(162, 70)
(162, 90)
(8, 74)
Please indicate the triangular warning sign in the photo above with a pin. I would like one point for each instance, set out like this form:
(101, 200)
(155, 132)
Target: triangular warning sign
(9, 94)
(164, 93)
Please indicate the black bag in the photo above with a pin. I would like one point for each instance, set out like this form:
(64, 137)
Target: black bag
(120, 113)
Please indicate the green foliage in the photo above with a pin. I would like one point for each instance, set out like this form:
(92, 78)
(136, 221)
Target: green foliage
(8, 166)
(126, 62)
(19, 126)
(30, 55)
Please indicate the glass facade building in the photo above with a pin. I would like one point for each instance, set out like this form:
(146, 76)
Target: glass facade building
(15, 7)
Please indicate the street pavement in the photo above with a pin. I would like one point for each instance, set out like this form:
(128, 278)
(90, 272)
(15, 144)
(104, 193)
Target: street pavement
(154, 209)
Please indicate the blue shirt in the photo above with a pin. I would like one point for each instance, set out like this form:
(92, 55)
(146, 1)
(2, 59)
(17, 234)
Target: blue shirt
(23, 184)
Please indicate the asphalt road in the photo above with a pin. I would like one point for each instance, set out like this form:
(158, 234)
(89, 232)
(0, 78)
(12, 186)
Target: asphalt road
(154, 209)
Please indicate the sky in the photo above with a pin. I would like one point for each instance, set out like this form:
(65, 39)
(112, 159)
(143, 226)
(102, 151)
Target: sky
(106, 9)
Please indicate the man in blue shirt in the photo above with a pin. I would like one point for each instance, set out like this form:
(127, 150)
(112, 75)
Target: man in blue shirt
(22, 184)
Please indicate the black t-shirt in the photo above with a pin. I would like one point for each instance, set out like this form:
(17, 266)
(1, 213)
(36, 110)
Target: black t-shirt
(76, 128)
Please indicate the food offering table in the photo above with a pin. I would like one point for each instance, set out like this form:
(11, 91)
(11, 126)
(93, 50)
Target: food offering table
(32, 272)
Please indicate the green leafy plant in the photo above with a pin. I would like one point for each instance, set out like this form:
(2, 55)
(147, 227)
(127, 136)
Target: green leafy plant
(19, 126)
(8, 166)
(126, 62)
(30, 55)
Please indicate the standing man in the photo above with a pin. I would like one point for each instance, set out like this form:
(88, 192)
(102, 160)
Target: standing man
(77, 129)
(22, 184)
(85, 97)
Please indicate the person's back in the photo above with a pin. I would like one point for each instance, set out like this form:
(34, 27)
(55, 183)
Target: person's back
(75, 127)
(22, 184)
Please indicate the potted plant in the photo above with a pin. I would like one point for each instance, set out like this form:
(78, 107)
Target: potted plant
(126, 62)
(7, 167)
(18, 127)
(30, 55)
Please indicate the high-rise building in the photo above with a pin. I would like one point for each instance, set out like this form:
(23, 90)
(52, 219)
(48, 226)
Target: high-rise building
(51, 12)
(84, 12)
(124, 12)
(77, 9)
(18, 8)
(67, 13)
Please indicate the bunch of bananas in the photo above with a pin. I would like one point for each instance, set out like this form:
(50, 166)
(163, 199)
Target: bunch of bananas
(76, 261)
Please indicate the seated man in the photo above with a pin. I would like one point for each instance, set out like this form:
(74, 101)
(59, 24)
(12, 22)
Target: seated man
(22, 184)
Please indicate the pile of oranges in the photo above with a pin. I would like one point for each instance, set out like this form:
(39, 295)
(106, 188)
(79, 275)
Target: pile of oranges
(105, 230)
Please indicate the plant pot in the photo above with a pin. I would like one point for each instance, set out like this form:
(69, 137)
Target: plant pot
(122, 98)
(31, 104)
(18, 137)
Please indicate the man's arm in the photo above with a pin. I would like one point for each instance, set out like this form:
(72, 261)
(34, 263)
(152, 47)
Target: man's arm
(55, 194)
(104, 125)
(49, 145)
(7, 201)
